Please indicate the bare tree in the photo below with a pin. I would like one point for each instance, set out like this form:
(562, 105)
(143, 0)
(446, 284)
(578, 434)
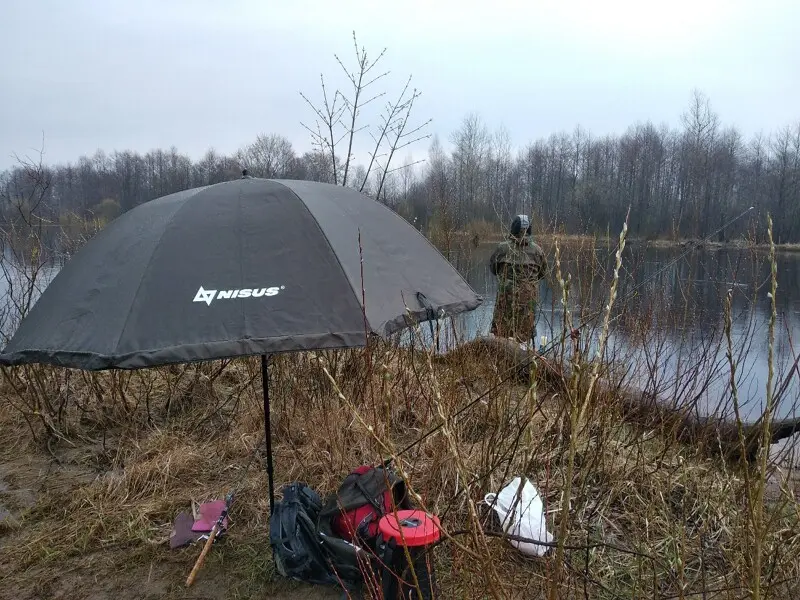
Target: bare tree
(499, 185)
(269, 156)
(24, 253)
(472, 143)
(701, 124)
(785, 148)
(407, 177)
(338, 118)
(442, 195)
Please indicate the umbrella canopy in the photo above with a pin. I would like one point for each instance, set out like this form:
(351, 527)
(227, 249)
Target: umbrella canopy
(245, 267)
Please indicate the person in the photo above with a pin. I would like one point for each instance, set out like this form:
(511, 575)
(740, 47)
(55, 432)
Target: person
(519, 264)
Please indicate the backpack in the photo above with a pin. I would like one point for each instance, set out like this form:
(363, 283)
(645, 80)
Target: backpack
(301, 552)
(296, 547)
(353, 512)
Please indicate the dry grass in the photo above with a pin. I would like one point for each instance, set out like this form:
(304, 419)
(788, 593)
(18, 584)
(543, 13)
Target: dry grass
(646, 517)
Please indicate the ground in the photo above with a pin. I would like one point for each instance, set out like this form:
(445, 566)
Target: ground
(123, 573)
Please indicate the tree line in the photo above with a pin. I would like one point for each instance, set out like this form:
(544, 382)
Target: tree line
(679, 183)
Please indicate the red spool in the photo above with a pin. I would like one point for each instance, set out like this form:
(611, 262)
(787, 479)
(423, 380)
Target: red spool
(418, 528)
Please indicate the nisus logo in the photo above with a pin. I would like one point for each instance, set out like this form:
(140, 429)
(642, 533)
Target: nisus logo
(208, 296)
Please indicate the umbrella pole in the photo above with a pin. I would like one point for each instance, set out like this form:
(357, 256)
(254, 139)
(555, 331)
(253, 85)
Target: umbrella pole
(267, 431)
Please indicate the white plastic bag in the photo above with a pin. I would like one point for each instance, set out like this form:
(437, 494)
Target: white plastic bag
(527, 517)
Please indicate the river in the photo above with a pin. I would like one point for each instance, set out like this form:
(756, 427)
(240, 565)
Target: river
(667, 332)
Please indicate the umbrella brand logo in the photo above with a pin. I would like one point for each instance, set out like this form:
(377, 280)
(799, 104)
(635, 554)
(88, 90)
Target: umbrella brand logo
(208, 296)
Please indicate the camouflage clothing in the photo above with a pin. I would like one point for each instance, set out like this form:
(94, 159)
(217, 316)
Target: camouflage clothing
(519, 264)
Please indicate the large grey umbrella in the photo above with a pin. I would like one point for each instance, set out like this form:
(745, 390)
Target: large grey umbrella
(245, 267)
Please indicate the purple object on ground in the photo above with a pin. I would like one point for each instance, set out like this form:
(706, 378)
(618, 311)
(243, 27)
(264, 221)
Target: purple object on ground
(182, 533)
(209, 513)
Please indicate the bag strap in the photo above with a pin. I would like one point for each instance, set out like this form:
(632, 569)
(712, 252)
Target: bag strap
(373, 500)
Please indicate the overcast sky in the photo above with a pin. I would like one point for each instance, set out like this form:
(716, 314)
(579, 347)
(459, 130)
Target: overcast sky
(145, 74)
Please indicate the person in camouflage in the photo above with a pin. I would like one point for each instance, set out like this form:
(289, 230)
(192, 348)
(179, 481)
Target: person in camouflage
(519, 264)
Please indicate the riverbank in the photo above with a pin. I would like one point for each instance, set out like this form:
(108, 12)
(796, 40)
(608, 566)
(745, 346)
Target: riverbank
(89, 512)
(549, 239)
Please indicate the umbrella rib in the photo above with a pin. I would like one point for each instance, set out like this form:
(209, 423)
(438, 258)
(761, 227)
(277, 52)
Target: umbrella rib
(241, 261)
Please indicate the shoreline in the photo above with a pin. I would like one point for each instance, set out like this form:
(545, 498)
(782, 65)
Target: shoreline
(577, 239)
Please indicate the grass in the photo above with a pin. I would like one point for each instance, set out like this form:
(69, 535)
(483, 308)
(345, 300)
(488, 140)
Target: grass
(114, 456)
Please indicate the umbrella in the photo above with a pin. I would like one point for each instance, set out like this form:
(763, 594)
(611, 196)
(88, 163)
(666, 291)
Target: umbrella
(244, 267)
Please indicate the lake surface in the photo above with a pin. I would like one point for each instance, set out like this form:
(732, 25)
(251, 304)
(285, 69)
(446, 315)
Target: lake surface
(667, 331)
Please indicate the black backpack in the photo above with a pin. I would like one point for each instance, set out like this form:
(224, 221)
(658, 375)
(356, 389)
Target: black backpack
(300, 552)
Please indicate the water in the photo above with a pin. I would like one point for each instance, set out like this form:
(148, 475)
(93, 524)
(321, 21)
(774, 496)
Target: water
(20, 288)
(667, 333)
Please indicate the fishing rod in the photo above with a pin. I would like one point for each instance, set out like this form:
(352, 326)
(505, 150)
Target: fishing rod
(219, 525)
(512, 371)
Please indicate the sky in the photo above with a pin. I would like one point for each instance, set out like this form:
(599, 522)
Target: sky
(79, 75)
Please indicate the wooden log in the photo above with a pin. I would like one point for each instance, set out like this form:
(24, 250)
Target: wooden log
(638, 407)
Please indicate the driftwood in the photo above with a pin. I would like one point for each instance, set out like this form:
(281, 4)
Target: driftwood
(638, 407)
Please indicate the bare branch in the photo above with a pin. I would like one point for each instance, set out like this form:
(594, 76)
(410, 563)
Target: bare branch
(407, 166)
(392, 110)
(392, 122)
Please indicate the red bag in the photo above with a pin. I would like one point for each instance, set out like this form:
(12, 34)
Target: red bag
(363, 498)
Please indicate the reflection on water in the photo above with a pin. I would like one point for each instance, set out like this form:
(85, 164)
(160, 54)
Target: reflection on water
(667, 331)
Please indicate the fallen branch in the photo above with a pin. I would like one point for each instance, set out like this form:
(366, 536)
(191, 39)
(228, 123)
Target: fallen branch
(638, 407)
